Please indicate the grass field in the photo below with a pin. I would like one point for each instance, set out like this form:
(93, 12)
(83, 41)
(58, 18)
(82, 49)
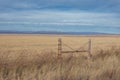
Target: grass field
(33, 57)
(43, 42)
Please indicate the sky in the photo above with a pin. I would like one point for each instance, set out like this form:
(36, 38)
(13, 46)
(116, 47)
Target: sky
(60, 15)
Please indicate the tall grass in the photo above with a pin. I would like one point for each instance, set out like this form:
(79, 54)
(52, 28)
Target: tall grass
(104, 65)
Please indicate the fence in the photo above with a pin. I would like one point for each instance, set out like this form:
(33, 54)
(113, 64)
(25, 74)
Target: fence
(61, 51)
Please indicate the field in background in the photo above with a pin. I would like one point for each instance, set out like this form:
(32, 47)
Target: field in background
(43, 42)
(33, 57)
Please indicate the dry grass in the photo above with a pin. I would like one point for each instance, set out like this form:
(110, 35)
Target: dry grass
(28, 62)
(45, 66)
(42, 42)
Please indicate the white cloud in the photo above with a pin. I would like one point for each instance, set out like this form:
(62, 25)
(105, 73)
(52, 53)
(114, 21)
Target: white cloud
(46, 17)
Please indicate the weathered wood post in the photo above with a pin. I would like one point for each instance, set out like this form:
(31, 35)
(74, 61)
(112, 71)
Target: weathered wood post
(59, 48)
(60, 55)
(89, 48)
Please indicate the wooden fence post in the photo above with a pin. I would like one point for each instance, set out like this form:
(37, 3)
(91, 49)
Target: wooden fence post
(59, 47)
(89, 48)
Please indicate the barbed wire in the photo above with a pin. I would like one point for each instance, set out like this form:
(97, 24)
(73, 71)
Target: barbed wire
(82, 46)
(67, 46)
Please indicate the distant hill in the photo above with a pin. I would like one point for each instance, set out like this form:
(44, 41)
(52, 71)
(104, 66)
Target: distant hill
(50, 32)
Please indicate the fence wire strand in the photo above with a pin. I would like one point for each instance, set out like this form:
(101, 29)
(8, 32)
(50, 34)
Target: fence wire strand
(68, 46)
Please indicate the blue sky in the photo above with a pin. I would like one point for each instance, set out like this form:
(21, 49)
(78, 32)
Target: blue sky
(60, 15)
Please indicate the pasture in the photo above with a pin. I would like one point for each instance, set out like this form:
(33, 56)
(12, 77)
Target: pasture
(39, 43)
(34, 57)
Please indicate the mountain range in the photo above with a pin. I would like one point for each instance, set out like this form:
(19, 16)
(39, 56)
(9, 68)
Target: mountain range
(52, 32)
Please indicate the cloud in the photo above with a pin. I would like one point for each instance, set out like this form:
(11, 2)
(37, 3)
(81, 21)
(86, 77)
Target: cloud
(85, 5)
(46, 17)
(83, 15)
(55, 17)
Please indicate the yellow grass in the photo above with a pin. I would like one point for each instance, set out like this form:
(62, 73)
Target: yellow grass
(33, 57)
(41, 42)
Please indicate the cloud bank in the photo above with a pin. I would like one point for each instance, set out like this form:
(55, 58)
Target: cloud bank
(60, 15)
